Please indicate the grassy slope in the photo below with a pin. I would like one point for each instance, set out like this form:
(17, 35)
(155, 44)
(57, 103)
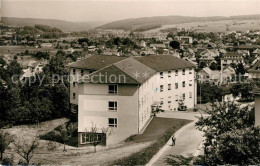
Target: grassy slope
(160, 130)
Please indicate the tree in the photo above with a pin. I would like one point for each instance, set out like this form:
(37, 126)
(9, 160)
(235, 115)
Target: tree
(230, 135)
(202, 65)
(26, 148)
(243, 90)
(14, 68)
(5, 140)
(65, 133)
(2, 62)
(175, 44)
(209, 93)
(156, 111)
(97, 136)
(170, 35)
(240, 69)
(214, 66)
(194, 43)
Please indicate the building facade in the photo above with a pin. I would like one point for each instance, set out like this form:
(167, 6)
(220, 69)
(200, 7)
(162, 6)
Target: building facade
(120, 94)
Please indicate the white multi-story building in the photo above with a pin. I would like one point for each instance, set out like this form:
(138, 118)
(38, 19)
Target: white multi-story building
(120, 93)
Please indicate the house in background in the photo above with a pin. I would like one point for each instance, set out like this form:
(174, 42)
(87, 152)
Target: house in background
(34, 67)
(256, 52)
(207, 59)
(124, 103)
(206, 75)
(254, 71)
(227, 74)
(231, 58)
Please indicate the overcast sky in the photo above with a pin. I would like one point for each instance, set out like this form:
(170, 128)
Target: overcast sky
(107, 10)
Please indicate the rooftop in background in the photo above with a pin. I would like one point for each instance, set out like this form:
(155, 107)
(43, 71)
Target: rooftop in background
(232, 55)
(257, 92)
(255, 68)
(96, 62)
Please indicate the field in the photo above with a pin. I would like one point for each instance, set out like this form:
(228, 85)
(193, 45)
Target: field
(214, 26)
(18, 49)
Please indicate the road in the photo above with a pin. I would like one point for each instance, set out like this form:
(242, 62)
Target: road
(188, 140)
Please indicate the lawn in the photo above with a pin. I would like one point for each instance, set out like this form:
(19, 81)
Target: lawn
(159, 131)
(156, 128)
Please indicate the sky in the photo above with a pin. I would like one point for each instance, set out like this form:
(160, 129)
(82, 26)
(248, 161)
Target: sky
(108, 10)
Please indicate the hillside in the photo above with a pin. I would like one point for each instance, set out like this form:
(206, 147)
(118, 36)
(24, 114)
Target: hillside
(65, 26)
(136, 24)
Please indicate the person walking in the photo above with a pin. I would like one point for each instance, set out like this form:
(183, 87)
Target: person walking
(173, 140)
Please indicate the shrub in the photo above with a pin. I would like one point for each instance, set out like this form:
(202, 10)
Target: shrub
(56, 137)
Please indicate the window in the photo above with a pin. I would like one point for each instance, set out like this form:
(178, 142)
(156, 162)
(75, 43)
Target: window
(74, 95)
(161, 88)
(183, 83)
(190, 94)
(169, 86)
(82, 72)
(183, 96)
(176, 97)
(112, 122)
(176, 85)
(169, 73)
(89, 138)
(176, 72)
(74, 71)
(190, 83)
(190, 71)
(112, 105)
(161, 103)
(74, 84)
(161, 74)
(112, 89)
(183, 71)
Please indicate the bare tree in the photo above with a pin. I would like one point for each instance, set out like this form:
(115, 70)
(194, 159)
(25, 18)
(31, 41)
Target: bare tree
(5, 140)
(97, 136)
(26, 149)
(65, 133)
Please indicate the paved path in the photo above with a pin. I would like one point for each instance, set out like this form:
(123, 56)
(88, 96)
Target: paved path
(188, 140)
(180, 115)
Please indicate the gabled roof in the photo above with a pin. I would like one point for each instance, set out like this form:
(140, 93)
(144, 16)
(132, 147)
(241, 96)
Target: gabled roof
(133, 68)
(128, 71)
(255, 68)
(242, 51)
(164, 62)
(110, 75)
(96, 62)
(257, 51)
(247, 46)
(207, 70)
